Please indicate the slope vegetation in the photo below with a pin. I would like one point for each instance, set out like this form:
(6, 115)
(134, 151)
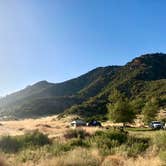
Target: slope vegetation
(139, 80)
(44, 98)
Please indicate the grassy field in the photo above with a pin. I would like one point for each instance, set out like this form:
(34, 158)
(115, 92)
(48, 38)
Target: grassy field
(51, 142)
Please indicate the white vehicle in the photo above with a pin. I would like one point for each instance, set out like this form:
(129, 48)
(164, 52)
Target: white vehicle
(77, 123)
(156, 125)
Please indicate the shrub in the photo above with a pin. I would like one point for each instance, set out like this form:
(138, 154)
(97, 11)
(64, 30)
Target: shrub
(162, 155)
(77, 157)
(9, 144)
(34, 139)
(117, 135)
(32, 155)
(107, 146)
(110, 141)
(135, 149)
(58, 148)
(78, 142)
(160, 140)
(107, 140)
(76, 133)
(134, 146)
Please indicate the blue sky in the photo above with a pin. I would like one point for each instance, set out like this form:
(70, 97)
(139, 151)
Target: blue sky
(56, 40)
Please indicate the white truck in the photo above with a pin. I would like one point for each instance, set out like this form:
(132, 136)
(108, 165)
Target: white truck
(156, 125)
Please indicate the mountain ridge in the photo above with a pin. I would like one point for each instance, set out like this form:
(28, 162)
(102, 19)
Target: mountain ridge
(139, 78)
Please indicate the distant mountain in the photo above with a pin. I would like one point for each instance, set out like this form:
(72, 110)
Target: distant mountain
(141, 79)
(44, 98)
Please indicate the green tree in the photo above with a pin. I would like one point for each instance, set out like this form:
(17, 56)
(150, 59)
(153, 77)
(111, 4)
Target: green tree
(121, 111)
(150, 110)
(116, 96)
(138, 104)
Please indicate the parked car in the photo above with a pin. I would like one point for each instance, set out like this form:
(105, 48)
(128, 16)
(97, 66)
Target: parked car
(94, 123)
(77, 123)
(156, 125)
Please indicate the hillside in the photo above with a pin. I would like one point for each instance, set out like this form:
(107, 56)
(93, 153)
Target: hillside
(141, 79)
(44, 98)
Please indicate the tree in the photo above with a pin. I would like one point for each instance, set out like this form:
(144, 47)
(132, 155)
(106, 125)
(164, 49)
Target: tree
(138, 104)
(116, 96)
(150, 111)
(121, 111)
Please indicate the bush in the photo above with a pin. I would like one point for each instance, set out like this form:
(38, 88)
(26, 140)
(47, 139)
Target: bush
(76, 133)
(135, 149)
(34, 139)
(32, 155)
(13, 144)
(9, 144)
(117, 135)
(78, 142)
(77, 157)
(162, 155)
(58, 148)
(134, 146)
(107, 140)
(160, 140)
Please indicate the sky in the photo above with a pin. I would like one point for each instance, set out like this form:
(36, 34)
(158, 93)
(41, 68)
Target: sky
(56, 40)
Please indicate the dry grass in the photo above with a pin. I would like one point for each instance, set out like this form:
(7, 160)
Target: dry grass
(83, 157)
(48, 125)
(76, 157)
(56, 129)
(140, 161)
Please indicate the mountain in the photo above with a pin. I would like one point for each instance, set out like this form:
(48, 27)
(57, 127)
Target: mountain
(140, 80)
(44, 98)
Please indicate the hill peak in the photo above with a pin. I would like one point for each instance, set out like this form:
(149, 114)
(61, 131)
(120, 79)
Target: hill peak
(148, 59)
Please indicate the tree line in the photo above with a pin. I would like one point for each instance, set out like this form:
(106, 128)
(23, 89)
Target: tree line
(122, 110)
